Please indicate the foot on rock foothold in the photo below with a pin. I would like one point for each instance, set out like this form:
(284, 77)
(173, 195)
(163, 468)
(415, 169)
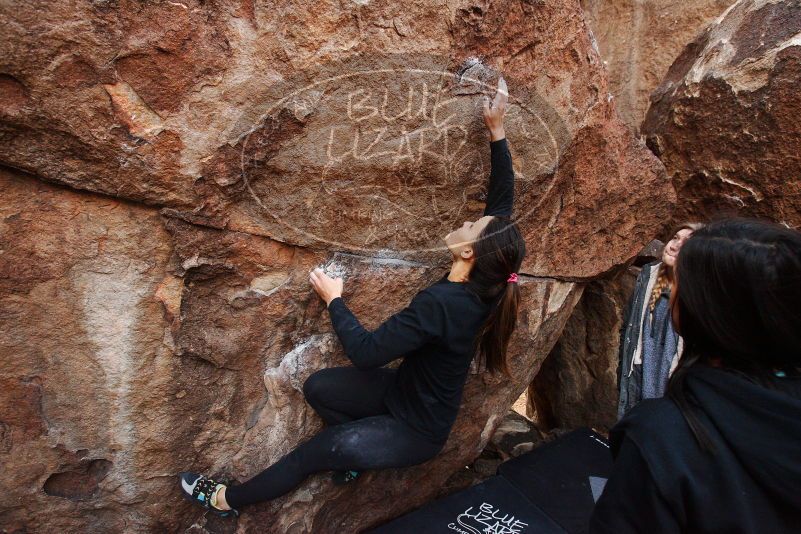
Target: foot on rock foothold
(199, 489)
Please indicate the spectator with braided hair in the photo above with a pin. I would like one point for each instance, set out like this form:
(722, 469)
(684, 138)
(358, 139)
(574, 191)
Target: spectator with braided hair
(649, 345)
(721, 451)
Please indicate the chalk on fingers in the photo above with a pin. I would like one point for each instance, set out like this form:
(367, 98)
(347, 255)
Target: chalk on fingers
(501, 94)
(502, 86)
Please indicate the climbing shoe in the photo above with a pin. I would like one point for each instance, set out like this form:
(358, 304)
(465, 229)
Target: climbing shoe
(199, 490)
(343, 477)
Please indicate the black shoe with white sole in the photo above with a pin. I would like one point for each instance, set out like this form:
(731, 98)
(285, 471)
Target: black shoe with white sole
(199, 490)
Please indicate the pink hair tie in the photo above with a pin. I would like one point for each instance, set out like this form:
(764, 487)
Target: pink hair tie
(512, 277)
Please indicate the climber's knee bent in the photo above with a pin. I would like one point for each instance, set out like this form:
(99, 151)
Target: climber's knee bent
(335, 396)
(340, 394)
(313, 386)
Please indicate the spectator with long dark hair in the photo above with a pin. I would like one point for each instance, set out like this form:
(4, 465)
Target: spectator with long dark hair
(722, 451)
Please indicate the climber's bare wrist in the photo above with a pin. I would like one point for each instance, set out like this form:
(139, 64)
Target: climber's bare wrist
(496, 134)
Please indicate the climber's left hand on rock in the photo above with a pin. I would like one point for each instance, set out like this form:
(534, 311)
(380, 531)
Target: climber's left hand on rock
(328, 288)
(495, 110)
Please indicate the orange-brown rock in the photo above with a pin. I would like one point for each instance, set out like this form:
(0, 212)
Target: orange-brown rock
(577, 384)
(139, 345)
(639, 39)
(190, 162)
(725, 119)
(354, 126)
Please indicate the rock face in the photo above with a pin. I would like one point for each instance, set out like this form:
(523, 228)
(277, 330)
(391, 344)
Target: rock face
(89, 386)
(233, 117)
(638, 41)
(139, 345)
(187, 163)
(725, 119)
(577, 383)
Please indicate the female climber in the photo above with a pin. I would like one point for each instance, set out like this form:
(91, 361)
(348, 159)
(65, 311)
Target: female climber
(378, 417)
(649, 345)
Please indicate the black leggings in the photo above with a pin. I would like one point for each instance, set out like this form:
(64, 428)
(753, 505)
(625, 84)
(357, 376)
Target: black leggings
(360, 434)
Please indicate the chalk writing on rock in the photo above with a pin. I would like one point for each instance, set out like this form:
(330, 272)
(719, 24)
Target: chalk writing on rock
(389, 158)
(487, 519)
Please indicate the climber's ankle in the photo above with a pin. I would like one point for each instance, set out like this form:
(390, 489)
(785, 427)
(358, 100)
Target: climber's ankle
(218, 499)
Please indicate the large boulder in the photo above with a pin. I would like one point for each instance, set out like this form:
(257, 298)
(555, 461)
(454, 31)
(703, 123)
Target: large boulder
(353, 126)
(640, 39)
(187, 163)
(725, 119)
(139, 345)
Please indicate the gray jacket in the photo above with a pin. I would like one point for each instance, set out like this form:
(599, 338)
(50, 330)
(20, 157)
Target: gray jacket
(630, 353)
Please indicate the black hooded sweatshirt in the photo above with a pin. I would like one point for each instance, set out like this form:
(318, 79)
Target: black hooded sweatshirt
(663, 481)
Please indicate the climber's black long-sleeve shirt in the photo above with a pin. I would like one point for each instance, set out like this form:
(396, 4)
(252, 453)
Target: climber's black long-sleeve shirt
(434, 333)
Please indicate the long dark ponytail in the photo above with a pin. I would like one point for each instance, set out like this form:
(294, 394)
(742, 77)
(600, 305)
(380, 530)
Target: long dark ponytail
(738, 288)
(498, 251)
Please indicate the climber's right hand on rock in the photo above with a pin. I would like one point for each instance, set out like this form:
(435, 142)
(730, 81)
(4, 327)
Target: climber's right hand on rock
(495, 110)
(326, 287)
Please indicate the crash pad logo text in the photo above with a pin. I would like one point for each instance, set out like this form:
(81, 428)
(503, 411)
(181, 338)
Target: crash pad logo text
(487, 519)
